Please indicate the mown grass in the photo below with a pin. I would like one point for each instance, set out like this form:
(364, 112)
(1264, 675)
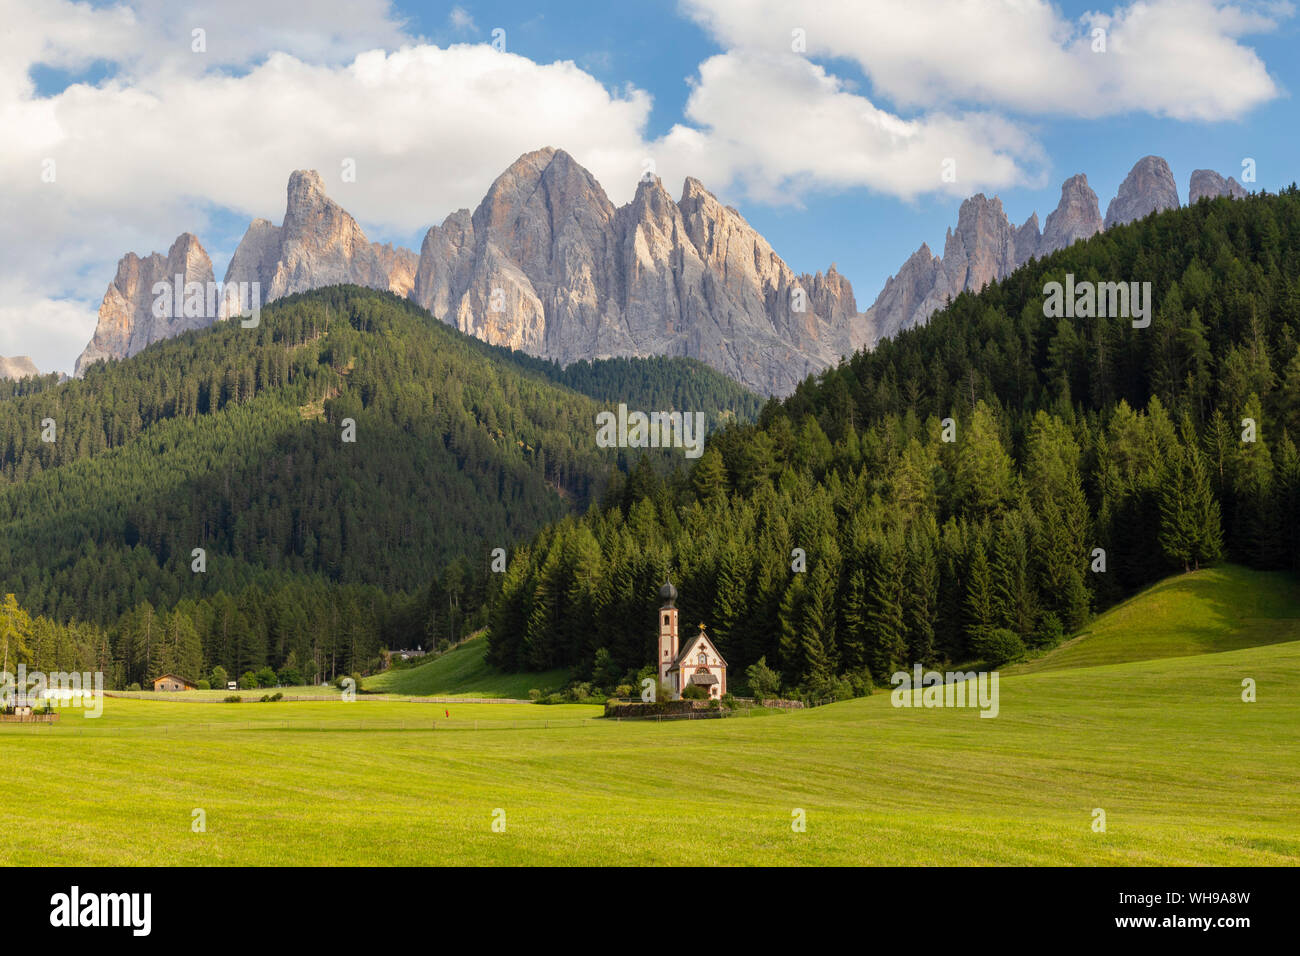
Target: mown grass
(463, 672)
(251, 694)
(1186, 772)
(1214, 609)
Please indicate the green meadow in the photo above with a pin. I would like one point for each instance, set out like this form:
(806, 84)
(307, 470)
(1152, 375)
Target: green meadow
(463, 672)
(1185, 770)
(1215, 609)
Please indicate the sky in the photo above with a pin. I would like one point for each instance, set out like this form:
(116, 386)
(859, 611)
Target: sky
(845, 131)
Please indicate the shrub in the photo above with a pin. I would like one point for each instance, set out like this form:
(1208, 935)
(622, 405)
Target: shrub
(233, 699)
(999, 647)
(290, 677)
(534, 694)
(624, 690)
(247, 680)
(266, 677)
(203, 685)
(763, 681)
(277, 696)
(133, 686)
(694, 692)
(841, 689)
(861, 682)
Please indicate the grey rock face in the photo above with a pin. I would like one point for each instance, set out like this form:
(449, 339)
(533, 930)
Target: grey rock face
(1149, 187)
(548, 265)
(909, 297)
(399, 264)
(319, 244)
(20, 366)
(983, 248)
(1207, 184)
(127, 315)
(256, 256)
(1076, 217)
(1027, 240)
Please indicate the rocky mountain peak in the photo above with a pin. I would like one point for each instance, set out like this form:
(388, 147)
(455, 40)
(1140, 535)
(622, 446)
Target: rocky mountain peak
(19, 366)
(1076, 216)
(692, 188)
(1207, 184)
(306, 188)
(547, 264)
(909, 296)
(983, 246)
(1149, 187)
(399, 264)
(127, 321)
(1026, 238)
(318, 244)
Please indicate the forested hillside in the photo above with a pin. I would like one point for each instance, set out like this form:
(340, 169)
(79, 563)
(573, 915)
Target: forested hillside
(844, 536)
(233, 441)
(658, 382)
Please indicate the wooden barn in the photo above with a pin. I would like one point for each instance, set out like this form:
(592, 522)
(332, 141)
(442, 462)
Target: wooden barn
(171, 682)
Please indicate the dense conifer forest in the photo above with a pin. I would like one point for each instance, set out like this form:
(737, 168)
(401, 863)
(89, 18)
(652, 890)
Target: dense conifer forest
(317, 551)
(971, 489)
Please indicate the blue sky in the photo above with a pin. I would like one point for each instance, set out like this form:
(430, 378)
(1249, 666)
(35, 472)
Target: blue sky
(152, 138)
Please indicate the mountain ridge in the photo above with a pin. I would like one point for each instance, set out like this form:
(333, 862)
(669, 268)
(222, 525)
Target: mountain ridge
(547, 264)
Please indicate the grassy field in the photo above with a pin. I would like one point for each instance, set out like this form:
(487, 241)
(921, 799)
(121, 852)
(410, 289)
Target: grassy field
(1215, 609)
(463, 672)
(1186, 772)
(254, 694)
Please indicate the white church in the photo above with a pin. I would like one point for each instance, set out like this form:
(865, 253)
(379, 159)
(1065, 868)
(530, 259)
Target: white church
(694, 661)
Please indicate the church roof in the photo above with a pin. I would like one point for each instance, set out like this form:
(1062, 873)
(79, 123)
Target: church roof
(704, 679)
(689, 645)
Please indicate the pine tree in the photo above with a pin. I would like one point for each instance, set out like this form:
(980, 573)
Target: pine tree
(921, 589)
(1014, 597)
(981, 602)
(1205, 515)
(709, 477)
(1252, 485)
(790, 627)
(1190, 528)
(1178, 532)
(886, 620)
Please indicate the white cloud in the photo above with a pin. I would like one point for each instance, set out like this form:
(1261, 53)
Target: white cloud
(1176, 58)
(52, 331)
(777, 125)
(461, 20)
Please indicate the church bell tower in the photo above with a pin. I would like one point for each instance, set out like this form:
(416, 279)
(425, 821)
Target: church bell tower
(667, 652)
